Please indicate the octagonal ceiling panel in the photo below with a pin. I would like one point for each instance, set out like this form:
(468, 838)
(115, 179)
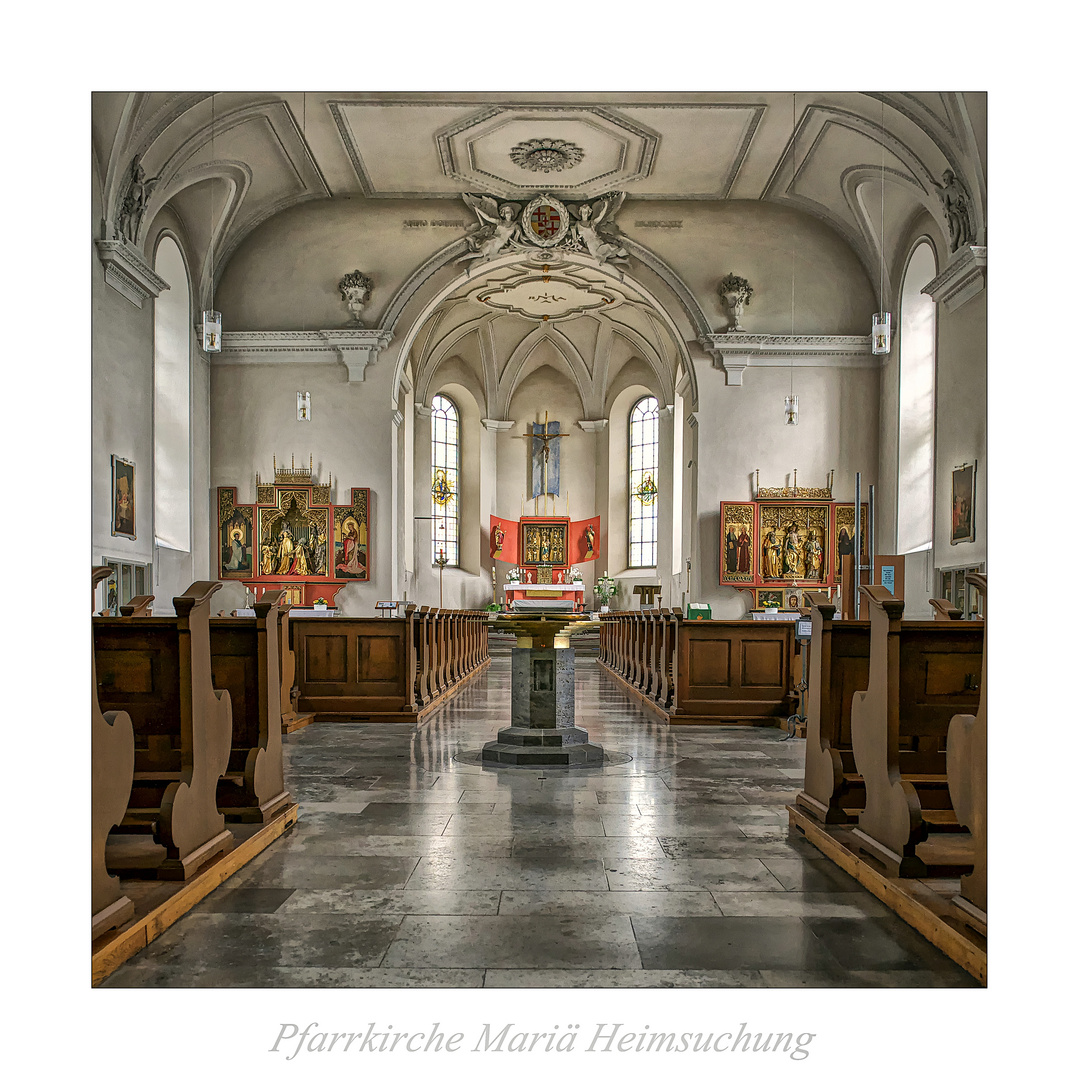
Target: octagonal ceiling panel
(612, 150)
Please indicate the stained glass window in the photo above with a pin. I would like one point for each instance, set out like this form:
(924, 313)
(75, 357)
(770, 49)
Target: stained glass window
(643, 472)
(445, 498)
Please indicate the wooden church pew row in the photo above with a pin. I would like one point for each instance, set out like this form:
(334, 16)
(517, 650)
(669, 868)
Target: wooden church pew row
(158, 671)
(291, 720)
(112, 768)
(920, 675)
(838, 666)
(139, 606)
(968, 761)
(943, 611)
(244, 659)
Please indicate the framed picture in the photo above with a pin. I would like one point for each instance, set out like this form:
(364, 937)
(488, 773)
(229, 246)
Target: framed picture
(123, 497)
(351, 550)
(769, 598)
(963, 504)
(792, 599)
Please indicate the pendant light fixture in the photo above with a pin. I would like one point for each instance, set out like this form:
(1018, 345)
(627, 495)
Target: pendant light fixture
(790, 402)
(211, 319)
(881, 338)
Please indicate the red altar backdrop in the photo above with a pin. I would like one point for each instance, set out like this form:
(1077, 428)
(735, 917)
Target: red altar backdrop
(506, 534)
(505, 531)
(579, 540)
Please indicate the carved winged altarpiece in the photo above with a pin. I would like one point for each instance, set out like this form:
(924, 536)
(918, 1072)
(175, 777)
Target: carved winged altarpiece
(293, 537)
(785, 541)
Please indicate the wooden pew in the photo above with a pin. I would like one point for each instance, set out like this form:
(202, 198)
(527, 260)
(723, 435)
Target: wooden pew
(968, 761)
(291, 720)
(920, 675)
(158, 671)
(943, 611)
(838, 666)
(244, 658)
(112, 768)
(138, 606)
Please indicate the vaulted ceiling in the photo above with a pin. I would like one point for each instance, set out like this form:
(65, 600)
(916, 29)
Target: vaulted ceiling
(227, 162)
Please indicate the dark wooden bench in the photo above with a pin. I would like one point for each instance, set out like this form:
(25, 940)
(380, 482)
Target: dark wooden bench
(158, 671)
(244, 659)
(838, 667)
(112, 768)
(968, 761)
(920, 675)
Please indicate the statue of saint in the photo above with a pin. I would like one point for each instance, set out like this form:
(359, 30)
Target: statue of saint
(814, 556)
(285, 548)
(957, 209)
(792, 551)
(590, 542)
(773, 566)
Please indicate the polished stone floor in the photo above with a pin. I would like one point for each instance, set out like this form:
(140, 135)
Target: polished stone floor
(407, 868)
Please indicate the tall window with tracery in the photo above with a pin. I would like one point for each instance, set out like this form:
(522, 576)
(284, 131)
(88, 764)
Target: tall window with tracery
(445, 489)
(643, 467)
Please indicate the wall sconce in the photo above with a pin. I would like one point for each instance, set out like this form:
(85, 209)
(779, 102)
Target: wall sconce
(790, 409)
(882, 332)
(303, 405)
(211, 331)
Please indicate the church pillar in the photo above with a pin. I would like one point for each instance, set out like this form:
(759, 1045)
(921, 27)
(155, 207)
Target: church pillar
(425, 586)
(665, 500)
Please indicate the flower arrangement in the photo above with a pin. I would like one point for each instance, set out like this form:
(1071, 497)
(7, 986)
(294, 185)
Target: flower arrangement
(513, 575)
(605, 588)
(575, 574)
(320, 601)
(732, 283)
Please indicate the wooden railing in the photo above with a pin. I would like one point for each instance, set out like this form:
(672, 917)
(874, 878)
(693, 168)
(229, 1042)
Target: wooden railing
(701, 671)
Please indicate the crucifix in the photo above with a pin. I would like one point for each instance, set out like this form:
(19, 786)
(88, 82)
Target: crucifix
(545, 437)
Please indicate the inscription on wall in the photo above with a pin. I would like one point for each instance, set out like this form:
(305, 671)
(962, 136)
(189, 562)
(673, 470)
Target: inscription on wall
(659, 224)
(423, 223)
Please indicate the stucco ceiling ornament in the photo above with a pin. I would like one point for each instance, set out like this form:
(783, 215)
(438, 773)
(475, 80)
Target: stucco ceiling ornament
(546, 155)
(355, 288)
(545, 223)
(736, 292)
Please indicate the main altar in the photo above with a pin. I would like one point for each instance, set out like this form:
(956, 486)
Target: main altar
(544, 551)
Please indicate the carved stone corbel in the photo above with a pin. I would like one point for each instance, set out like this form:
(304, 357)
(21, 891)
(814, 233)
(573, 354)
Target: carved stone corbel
(357, 348)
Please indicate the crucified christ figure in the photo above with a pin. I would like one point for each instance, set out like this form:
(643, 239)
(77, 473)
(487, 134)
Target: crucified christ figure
(545, 436)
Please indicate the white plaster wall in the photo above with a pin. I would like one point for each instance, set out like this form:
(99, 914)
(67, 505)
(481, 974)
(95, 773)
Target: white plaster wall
(253, 417)
(741, 429)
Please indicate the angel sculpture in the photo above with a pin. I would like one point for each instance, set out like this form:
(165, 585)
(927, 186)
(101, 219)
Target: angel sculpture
(957, 209)
(604, 245)
(498, 226)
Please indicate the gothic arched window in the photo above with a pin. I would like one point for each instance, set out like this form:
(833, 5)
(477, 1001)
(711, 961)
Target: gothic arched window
(172, 402)
(445, 489)
(643, 468)
(917, 394)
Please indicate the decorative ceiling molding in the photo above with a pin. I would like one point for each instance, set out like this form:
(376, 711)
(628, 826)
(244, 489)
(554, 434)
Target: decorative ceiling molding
(354, 348)
(732, 353)
(961, 280)
(546, 155)
(128, 273)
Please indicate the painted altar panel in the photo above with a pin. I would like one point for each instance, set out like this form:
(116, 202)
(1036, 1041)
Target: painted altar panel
(583, 540)
(844, 535)
(544, 541)
(794, 542)
(738, 522)
(236, 548)
(351, 538)
(504, 540)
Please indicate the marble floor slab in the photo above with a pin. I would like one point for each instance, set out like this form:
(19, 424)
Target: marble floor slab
(409, 868)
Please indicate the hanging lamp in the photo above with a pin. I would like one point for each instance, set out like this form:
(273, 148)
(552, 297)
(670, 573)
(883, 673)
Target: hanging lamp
(790, 402)
(211, 319)
(881, 337)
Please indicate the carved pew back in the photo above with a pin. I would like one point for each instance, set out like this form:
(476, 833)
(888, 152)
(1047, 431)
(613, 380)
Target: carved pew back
(920, 673)
(158, 671)
(112, 768)
(838, 667)
(244, 658)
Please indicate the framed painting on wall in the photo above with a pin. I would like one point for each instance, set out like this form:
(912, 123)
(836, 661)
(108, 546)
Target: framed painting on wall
(769, 598)
(963, 504)
(351, 542)
(739, 558)
(123, 497)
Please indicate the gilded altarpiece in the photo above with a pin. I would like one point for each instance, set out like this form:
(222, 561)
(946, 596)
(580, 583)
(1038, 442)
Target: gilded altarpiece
(786, 542)
(294, 538)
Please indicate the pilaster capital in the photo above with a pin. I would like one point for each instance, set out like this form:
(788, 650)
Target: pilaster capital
(357, 348)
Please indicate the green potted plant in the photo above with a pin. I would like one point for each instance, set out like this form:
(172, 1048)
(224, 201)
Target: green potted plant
(605, 589)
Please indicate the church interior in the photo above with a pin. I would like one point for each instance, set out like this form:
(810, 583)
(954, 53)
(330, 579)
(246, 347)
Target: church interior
(649, 428)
